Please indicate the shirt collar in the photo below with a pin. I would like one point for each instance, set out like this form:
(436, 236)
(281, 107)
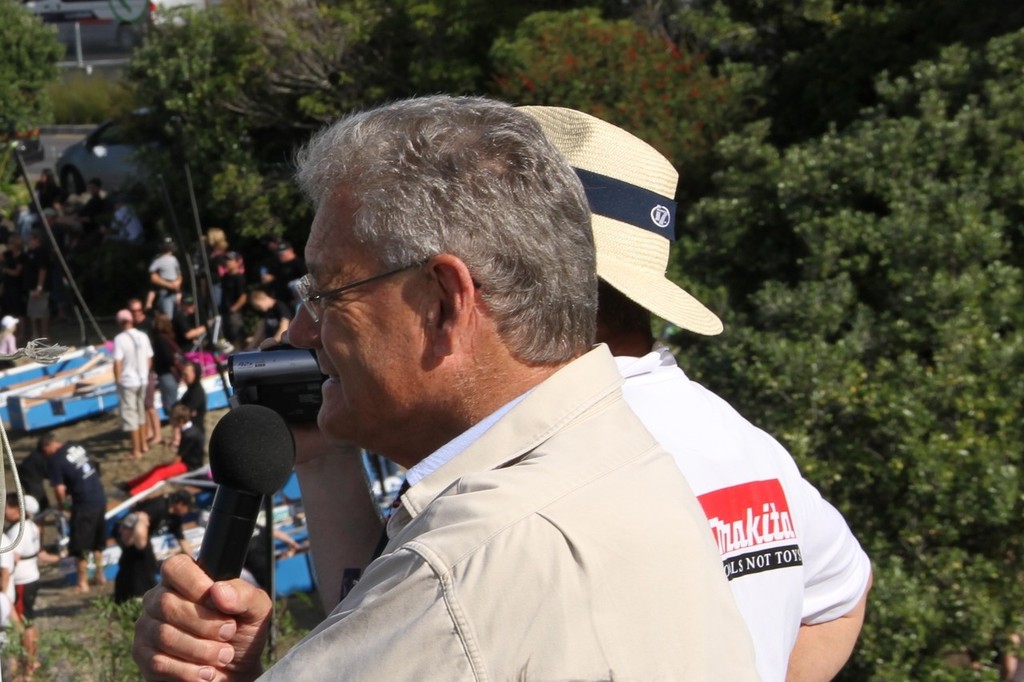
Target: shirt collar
(630, 366)
(521, 428)
(452, 448)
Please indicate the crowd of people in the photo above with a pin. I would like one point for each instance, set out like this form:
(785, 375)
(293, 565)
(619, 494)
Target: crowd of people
(34, 290)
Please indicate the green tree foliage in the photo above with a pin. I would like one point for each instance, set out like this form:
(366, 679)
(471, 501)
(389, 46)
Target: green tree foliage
(873, 285)
(448, 42)
(625, 74)
(195, 81)
(247, 85)
(822, 56)
(28, 63)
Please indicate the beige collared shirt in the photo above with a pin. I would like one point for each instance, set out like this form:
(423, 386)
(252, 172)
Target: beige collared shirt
(563, 544)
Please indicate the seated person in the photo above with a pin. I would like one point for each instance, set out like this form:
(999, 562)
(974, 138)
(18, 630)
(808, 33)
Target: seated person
(194, 398)
(189, 458)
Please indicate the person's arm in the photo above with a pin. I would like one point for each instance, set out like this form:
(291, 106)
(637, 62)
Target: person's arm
(341, 515)
(140, 532)
(170, 285)
(192, 628)
(60, 491)
(821, 650)
(41, 281)
(1010, 659)
(239, 303)
(46, 558)
(118, 368)
(5, 573)
(282, 328)
(185, 546)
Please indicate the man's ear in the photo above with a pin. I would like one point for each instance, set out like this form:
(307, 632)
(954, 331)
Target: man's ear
(452, 305)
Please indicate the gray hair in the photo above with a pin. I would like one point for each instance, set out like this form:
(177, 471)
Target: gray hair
(477, 179)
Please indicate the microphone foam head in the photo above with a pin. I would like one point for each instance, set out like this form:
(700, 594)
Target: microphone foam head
(252, 449)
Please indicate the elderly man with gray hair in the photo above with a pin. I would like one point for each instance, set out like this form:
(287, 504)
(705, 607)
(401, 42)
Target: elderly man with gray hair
(451, 302)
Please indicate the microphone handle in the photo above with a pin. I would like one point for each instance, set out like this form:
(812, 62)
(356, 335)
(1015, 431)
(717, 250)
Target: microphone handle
(228, 532)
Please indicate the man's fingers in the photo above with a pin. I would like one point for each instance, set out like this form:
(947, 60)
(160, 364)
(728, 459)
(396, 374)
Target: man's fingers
(181, 601)
(183, 575)
(169, 654)
(241, 599)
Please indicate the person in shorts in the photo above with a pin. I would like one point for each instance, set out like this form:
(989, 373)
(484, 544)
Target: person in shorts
(76, 480)
(133, 358)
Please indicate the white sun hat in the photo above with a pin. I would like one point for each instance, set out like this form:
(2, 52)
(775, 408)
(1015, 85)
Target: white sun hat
(630, 187)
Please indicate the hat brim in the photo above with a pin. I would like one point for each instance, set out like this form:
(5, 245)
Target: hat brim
(645, 285)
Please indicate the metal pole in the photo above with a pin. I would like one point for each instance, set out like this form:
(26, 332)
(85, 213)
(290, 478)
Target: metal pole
(268, 502)
(78, 44)
(183, 245)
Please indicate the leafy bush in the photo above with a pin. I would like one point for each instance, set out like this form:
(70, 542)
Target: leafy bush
(875, 324)
(79, 97)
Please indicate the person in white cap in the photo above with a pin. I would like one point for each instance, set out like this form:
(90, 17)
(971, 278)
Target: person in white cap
(8, 340)
(798, 574)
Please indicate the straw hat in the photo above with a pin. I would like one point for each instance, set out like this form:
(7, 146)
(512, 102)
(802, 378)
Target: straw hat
(8, 322)
(630, 187)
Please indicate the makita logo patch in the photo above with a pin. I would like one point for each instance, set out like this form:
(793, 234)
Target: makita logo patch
(748, 516)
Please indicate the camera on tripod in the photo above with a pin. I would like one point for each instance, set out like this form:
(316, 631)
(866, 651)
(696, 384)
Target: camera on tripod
(283, 378)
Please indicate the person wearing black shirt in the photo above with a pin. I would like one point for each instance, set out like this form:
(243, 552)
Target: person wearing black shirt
(33, 470)
(185, 334)
(12, 302)
(277, 317)
(287, 268)
(34, 278)
(137, 567)
(191, 452)
(95, 211)
(47, 190)
(74, 475)
(194, 397)
(233, 297)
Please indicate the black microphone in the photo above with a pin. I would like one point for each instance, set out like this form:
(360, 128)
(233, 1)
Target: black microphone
(252, 452)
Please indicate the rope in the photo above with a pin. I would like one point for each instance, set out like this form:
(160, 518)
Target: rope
(47, 355)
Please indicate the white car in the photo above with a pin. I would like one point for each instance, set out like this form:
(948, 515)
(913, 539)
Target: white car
(109, 152)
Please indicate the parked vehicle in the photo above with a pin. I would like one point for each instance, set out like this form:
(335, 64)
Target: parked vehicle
(110, 152)
(122, 23)
(125, 19)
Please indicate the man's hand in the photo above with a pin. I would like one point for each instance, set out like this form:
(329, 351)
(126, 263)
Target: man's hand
(192, 628)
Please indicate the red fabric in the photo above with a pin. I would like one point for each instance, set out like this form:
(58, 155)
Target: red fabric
(158, 473)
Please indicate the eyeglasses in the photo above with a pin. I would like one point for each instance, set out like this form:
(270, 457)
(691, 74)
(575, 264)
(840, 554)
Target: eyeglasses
(313, 302)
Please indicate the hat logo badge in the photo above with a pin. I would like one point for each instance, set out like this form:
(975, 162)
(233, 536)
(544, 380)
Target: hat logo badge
(661, 216)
